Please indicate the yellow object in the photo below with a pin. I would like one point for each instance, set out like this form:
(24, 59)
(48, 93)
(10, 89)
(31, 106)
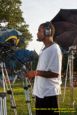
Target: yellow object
(13, 37)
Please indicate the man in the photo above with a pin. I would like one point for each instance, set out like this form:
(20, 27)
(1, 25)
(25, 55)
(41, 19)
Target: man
(48, 73)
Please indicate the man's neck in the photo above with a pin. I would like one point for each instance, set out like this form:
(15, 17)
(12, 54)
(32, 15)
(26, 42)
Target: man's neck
(48, 43)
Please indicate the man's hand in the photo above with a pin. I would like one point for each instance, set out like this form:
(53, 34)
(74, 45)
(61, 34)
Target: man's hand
(30, 74)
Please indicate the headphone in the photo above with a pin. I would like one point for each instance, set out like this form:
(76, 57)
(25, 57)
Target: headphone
(47, 27)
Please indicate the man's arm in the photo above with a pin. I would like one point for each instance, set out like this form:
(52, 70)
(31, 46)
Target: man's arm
(45, 74)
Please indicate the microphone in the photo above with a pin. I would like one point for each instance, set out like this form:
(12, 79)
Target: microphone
(37, 39)
(40, 39)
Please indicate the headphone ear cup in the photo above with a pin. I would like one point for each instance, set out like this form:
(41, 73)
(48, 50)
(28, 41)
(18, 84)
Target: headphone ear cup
(47, 32)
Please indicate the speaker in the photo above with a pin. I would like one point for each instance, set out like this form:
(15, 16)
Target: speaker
(47, 27)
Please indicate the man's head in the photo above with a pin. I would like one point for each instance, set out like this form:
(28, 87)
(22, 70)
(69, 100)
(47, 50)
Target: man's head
(46, 30)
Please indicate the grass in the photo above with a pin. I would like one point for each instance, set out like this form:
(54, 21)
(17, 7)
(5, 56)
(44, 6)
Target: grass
(65, 107)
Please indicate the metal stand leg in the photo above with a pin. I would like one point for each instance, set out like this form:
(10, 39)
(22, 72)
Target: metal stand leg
(69, 71)
(27, 86)
(27, 95)
(7, 86)
(3, 106)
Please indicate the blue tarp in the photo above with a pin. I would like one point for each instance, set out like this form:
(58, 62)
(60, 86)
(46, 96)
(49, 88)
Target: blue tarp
(19, 57)
(16, 57)
(6, 33)
(24, 55)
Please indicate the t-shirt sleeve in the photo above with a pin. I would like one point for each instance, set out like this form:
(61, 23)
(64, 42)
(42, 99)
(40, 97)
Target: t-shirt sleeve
(55, 62)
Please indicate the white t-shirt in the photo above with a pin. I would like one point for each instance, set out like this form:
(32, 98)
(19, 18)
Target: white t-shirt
(50, 59)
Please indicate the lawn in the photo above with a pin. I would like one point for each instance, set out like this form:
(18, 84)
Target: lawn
(64, 107)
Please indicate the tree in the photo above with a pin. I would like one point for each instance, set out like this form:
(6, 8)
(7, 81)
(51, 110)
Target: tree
(11, 12)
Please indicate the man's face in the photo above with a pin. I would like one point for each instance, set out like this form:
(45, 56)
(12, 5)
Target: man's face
(40, 33)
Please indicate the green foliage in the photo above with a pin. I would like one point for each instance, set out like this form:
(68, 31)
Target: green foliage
(11, 12)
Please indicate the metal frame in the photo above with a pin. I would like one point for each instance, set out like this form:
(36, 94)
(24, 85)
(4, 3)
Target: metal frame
(69, 72)
(7, 89)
